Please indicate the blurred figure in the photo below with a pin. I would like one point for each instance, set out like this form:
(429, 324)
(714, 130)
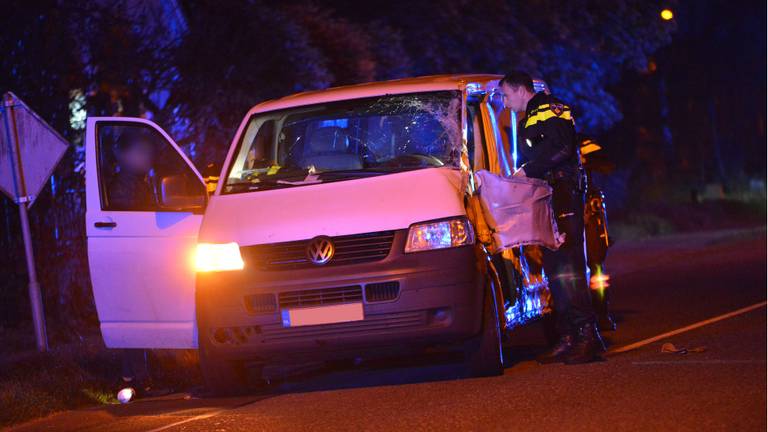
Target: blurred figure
(596, 231)
(129, 189)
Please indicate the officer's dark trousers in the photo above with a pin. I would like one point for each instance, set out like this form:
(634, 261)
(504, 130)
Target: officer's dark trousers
(566, 267)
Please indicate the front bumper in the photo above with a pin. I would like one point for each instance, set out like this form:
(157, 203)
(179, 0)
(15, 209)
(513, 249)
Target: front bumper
(439, 302)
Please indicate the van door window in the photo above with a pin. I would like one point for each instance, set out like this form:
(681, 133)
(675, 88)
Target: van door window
(478, 157)
(501, 125)
(137, 166)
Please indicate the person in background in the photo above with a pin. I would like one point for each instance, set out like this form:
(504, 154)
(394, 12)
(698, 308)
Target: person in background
(548, 142)
(596, 231)
(130, 190)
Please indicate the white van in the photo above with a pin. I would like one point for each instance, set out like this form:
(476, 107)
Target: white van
(340, 227)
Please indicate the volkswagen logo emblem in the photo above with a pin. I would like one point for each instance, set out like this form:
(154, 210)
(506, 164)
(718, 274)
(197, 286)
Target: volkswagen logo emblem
(320, 250)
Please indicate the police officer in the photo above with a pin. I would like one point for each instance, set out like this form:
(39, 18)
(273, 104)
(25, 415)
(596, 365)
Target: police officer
(548, 143)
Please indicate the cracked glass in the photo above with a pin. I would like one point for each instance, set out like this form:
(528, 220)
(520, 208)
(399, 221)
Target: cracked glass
(347, 139)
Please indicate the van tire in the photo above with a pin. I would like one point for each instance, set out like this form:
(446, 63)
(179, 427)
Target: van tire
(222, 376)
(484, 354)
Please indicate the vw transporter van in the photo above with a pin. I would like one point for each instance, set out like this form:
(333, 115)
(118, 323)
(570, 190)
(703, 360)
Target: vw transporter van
(342, 226)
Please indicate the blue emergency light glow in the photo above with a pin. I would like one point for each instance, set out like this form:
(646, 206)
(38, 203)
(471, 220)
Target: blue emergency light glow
(513, 134)
(473, 87)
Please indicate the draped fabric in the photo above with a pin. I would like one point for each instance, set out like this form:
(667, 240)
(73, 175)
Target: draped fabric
(518, 211)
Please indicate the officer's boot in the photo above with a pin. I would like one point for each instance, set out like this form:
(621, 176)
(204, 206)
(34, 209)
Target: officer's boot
(600, 302)
(587, 346)
(557, 352)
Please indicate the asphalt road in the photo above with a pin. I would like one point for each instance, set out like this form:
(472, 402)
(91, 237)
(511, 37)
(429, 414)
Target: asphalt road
(659, 286)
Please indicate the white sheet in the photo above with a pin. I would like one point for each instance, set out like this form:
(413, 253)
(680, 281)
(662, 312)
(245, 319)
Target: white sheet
(518, 211)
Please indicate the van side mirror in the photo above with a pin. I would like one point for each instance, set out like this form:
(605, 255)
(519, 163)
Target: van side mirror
(181, 193)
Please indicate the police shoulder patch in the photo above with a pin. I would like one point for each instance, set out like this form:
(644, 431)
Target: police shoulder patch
(557, 108)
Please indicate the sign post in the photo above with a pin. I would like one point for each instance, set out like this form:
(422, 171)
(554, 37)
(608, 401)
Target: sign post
(29, 150)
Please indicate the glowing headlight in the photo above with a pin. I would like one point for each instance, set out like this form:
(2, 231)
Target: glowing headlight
(211, 257)
(439, 235)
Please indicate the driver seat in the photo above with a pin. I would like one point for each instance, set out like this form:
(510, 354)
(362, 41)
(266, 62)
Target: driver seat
(327, 150)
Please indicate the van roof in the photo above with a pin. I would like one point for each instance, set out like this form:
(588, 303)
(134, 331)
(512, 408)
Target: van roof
(378, 88)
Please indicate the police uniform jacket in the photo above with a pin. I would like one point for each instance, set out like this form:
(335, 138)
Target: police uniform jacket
(548, 139)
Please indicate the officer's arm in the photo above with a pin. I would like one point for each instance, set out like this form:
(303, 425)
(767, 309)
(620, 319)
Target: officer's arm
(556, 146)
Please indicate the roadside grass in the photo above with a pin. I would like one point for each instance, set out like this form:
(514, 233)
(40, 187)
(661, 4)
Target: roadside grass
(74, 375)
(671, 218)
(35, 384)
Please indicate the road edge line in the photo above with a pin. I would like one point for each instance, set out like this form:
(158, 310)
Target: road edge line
(191, 419)
(693, 326)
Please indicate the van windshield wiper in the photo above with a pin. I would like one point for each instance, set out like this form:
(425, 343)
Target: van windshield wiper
(304, 179)
(333, 175)
(264, 183)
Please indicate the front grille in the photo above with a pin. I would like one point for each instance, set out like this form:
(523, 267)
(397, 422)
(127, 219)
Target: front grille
(317, 297)
(382, 291)
(350, 249)
(370, 326)
(260, 303)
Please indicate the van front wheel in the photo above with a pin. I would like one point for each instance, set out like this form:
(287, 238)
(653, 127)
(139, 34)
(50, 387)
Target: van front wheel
(222, 376)
(484, 355)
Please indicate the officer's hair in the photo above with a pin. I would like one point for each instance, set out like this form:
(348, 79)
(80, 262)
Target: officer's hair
(517, 79)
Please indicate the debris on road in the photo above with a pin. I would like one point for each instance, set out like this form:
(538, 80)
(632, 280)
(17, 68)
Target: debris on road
(669, 347)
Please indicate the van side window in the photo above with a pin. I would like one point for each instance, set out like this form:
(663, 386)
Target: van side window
(133, 161)
(503, 120)
(261, 147)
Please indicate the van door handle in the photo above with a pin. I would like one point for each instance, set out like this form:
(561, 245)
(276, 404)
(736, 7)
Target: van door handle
(105, 224)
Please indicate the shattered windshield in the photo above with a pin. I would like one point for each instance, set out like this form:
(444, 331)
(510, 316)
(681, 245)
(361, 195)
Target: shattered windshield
(347, 139)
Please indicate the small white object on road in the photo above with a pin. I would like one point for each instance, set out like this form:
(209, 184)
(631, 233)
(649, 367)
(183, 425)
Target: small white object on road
(125, 395)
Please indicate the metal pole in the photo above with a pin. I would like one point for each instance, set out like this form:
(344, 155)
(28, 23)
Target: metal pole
(35, 298)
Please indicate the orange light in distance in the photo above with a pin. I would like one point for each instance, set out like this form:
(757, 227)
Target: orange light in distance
(667, 14)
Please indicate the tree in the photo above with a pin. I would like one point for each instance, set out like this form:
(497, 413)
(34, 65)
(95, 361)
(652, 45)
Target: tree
(36, 63)
(579, 47)
(53, 55)
(235, 54)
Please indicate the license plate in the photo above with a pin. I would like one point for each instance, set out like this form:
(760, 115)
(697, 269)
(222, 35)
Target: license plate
(322, 315)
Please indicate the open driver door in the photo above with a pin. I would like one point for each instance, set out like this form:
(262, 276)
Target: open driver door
(144, 205)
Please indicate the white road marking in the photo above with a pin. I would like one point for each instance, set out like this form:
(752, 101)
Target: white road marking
(191, 419)
(651, 340)
(702, 362)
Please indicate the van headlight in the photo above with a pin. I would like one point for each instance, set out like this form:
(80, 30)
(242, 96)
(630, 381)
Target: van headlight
(441, 234)
(211, 257)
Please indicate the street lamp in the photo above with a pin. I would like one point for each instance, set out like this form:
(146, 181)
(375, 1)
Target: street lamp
(666, 14)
